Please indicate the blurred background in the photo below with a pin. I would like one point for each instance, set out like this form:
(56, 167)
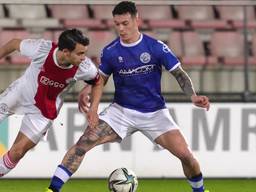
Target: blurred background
(215, 40)
(216, 43)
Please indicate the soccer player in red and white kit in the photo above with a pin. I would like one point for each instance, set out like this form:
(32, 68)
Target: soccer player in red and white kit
(38, 93)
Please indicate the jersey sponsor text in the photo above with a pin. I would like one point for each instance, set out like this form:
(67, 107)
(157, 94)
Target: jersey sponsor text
(46, 81)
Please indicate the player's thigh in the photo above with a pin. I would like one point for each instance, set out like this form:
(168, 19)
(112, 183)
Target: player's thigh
(35, 126)
(118, 118)
(100, 134)
(155, 124)
(175, 142)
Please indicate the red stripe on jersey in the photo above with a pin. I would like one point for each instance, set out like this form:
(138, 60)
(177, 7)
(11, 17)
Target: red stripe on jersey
(52, 80)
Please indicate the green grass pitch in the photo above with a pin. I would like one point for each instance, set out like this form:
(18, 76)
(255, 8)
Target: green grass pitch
(145, 185)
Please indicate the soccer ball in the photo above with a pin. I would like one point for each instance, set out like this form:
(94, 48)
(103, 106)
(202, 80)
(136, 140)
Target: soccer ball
(122, 180)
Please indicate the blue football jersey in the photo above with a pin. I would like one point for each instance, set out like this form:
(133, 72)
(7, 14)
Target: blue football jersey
(137, 70)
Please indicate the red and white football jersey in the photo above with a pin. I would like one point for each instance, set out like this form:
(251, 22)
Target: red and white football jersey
(42, 87)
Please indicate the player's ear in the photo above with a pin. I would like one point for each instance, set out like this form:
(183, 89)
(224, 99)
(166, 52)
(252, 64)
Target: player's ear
(65, 51)
(138, 19)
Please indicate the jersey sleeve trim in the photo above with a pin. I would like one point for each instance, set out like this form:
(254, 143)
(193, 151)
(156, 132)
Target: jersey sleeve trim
(94, 81)
(175, 66)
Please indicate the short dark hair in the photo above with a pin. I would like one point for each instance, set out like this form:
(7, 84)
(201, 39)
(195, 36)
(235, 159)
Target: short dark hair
(69, 38)
(125, 7)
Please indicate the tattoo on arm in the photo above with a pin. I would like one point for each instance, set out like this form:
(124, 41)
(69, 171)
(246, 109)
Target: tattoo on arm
(184, 81)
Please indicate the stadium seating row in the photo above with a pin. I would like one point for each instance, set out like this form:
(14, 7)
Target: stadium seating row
(99, 16)
(223, 47)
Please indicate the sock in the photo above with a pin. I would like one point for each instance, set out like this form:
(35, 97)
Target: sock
(197, 183)
(61, 175)
(6, 164)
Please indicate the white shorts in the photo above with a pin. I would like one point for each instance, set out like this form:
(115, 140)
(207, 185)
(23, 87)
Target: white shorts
(34, 125)
(126, 121)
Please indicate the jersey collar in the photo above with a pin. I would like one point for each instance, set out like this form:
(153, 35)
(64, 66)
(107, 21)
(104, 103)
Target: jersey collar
(132, 44)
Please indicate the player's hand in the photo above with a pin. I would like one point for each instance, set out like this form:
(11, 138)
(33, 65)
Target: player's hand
(84, 103)
(84, 99)
(92, 118)
(201, 101)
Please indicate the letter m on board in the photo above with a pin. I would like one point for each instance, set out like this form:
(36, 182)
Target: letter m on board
(211, 131)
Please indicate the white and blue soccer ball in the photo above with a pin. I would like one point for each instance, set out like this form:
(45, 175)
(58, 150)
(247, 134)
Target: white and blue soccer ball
(122, 180)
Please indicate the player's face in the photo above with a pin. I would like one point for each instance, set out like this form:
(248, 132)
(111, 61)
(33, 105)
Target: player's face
(127, 27)
(76, 56)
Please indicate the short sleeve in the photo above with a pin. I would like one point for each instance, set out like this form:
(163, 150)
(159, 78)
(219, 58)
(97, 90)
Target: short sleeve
(105, 66)
(29, 47)
(87, 71)
(166, 56)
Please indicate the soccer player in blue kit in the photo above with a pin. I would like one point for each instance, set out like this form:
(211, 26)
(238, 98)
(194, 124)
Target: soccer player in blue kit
(135, 60)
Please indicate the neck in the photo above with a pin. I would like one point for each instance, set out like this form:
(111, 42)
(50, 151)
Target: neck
(135, 38)
(60, 59)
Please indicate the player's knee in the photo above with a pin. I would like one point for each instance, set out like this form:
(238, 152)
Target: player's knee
(92, 136)
(85, 143)
(187, 158)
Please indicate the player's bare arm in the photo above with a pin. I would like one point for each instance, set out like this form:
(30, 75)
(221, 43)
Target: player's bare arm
(92, 115)
(97, 89)
(187, 86)
(10, 47)
(184, 81)
(96, 93)
(92, 136)
(84, 99)
(105, 79)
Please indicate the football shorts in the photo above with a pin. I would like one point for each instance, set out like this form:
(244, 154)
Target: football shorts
(126, 121)
(35, 126)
